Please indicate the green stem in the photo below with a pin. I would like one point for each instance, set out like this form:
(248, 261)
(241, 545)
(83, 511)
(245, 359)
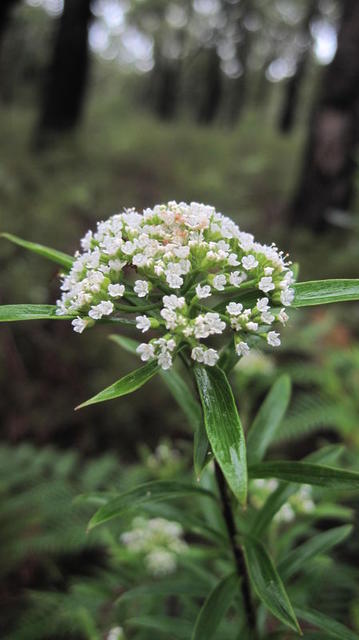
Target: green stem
(237, 552)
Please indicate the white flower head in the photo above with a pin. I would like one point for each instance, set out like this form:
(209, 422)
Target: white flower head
(185, 259)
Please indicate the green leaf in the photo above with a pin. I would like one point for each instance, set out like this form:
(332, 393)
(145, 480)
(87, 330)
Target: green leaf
(264, 516)
(306, 473)
(215, 608)
(223, 427)
(332, 628)
(165, 587)
(128, 344)
(150, 491)
(298, 558)
(268, 419)
(192, 410)
(324, 292)
(15, 312)
(267, 583)
(127, 384)
(51, 254)
(172, 627)
(184, 397)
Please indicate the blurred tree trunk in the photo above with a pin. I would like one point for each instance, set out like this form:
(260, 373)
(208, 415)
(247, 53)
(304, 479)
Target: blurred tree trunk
(237, 13)
(294, 84)
(68, 71)
(166, 88)
(6, 8)
(326, 181)
(212, 94)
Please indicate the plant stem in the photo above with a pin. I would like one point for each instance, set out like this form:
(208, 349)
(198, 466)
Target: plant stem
(237, 551)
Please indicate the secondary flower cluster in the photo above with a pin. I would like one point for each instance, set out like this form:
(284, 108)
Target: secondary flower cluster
(184, 270)
(158, 540)
(300, 503)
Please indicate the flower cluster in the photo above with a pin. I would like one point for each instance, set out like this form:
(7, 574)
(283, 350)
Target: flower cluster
(187, 272)
(158, 540)
(301, 502)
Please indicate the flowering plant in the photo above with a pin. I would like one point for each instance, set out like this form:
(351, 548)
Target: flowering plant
(205, 293)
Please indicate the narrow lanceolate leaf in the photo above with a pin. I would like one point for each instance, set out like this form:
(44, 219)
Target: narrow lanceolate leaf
(332, 628)
(306, 473)
(184, 397)
(127, 384)
(223, 426)
(326, 455)
(148, 492)
(315, 292)
(267, 583)
(50, 254)
(299, 558)
(268, 419)
(172, 627)
(215, 608)
(16, 312)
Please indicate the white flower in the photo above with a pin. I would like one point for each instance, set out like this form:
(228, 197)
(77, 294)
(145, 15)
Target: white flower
(249, 262)
(210, 357)
(268, 271)
(104, 308)
(233, 260)
(262, 304)
(273, 338)
(267, 317)
(170, 318)
(266, 284)
(203, 291)
(165, 360)
(79, 324)
(283, 316)
(234, 308)
(287, 297)
(115, 634)
(143, 323)
(173, 302)
(116, 265)
(174, 281)
(161, 562)
(236, 278)
(252, 326)
(116, 290)
(146, 351)
(242, 349)
(197, 354)
(219, 282)
(141, 288)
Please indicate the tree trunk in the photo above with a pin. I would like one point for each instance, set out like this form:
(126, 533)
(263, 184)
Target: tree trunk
(167, 75)
(294, 84)
(68, 71)
(237, 13)
(327, 177)
(211, 98)
(6, 7)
